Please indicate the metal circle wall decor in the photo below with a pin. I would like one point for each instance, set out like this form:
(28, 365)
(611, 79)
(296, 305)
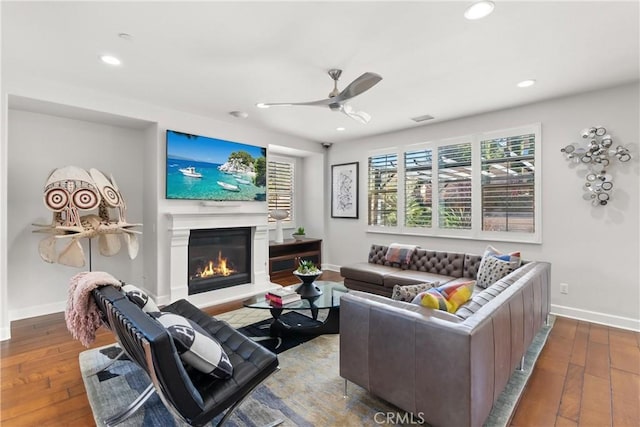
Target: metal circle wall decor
(596, 151)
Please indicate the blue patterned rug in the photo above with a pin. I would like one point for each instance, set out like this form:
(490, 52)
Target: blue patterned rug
(307, 391)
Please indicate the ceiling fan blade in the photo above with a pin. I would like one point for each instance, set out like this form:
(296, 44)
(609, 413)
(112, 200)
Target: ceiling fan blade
(358, 86)
(320, 103)
(359, 116)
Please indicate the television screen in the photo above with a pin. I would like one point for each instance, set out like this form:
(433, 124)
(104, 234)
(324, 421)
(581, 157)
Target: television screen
(202, 168)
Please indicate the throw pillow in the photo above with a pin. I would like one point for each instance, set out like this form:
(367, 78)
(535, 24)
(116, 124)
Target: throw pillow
(495, 265)
(408, 292)
(196, 347)
(399, 254)
(140, 298)
(446, 297)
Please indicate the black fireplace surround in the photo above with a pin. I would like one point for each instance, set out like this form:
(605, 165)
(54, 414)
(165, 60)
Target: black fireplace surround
(218, 258)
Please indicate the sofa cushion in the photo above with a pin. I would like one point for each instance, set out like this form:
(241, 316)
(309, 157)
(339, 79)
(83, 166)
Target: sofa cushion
(435, 262)
(367, 272)
(412, 277)
(408, 292)
(471, 265)
(446, 297)
(196, 347)
(495, 265)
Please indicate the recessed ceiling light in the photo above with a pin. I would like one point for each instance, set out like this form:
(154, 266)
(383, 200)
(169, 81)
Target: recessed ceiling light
(479, 9)
(340, 129)
(111, 60)
(125, 36)
(526, 83)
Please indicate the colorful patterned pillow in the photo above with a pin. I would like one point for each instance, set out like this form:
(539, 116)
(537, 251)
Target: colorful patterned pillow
(408, 292)
(196, 347)
(495, 265)
(446, 297)
(400, 254)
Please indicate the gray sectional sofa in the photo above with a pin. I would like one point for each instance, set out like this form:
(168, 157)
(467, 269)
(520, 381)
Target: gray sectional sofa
(446, 368)
(379, 276)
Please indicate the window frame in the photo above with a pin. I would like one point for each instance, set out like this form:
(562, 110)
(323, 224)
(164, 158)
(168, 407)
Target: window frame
(290, 220)
(476, 232)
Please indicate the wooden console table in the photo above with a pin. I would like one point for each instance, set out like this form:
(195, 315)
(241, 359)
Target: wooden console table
(285, 257)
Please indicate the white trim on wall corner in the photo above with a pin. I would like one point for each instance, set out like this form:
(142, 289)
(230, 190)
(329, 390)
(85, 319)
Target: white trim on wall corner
(596, 317)
(5, 334)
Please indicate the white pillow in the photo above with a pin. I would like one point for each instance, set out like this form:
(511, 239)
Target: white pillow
(196, 347)
(140, 298)
(495, 265)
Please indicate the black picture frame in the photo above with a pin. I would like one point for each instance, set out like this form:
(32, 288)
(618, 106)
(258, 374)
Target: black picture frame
(344, 190)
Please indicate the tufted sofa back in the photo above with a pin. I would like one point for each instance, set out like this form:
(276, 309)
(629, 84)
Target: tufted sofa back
(452, 264)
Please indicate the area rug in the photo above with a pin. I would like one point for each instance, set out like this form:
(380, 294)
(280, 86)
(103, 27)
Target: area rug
(307, 391)
(259, 332)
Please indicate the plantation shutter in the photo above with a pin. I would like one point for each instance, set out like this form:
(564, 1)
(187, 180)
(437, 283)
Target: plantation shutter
(383, 190)
(454, 186)
(418, 197)
(508, 178)
(280, 187)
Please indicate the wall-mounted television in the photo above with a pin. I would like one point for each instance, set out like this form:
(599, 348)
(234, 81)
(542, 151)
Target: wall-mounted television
(203, 168)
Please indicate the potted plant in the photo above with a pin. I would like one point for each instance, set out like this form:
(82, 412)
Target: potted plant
(308, 273)
(299, 233)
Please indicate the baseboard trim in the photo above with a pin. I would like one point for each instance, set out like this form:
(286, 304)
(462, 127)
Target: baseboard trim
(596, 317)
(37, 310)
(331, 267)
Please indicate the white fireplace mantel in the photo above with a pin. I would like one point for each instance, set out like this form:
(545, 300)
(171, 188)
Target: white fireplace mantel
(180, 226)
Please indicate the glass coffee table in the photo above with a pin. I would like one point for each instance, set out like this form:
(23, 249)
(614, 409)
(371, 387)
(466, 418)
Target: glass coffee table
(330, 299)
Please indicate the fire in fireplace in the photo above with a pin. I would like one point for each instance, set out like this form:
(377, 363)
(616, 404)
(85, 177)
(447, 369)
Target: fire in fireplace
(219, 258)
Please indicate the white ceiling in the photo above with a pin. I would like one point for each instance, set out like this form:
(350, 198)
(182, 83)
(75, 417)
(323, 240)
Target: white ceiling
(210, 58)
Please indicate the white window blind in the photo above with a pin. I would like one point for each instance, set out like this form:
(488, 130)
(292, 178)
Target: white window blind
(454, 186)
(383, 190)
(280, 178)
(508, 179)
(417, 186)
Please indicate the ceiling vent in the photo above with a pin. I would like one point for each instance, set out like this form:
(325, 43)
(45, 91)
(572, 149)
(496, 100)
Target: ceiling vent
(422, 118)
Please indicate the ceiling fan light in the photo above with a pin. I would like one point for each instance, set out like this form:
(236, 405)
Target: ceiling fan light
(479, 10)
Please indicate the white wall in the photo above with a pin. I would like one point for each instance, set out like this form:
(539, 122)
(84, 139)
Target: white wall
(594, 250)
(38, 143)
(149, 162)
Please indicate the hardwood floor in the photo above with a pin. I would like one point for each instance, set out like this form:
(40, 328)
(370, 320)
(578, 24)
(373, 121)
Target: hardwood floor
(587, 375)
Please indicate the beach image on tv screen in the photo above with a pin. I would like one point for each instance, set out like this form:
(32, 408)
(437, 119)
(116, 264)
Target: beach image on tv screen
(203, 168)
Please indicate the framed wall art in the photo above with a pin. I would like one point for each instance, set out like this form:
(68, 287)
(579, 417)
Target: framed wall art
(344, 190)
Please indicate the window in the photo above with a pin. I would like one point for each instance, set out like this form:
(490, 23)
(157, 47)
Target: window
(454, 186)
(417, 188)
(483, 186)
(383, 190)
(508, 183)
(280, 176)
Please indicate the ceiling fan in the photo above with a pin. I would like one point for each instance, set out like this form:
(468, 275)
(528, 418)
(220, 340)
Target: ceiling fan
(337, 100)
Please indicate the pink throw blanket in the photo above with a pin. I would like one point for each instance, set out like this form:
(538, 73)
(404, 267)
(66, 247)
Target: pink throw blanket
(82, 314)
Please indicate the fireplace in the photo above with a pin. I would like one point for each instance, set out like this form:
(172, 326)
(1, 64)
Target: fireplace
(218, 258)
